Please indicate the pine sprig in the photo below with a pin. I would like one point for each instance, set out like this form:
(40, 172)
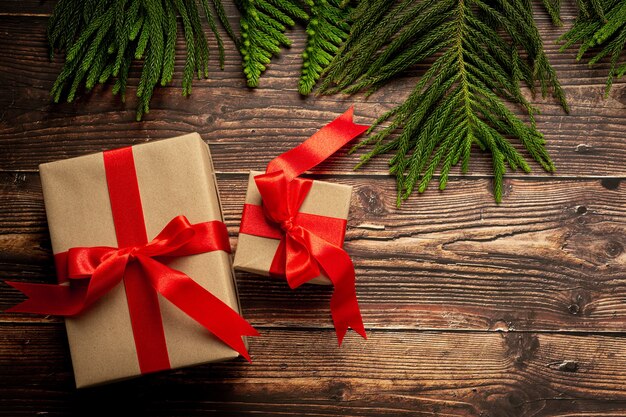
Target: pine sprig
(553, 8)
(459, 101)
(326, 31)
(601, 25)
(101, 38)
(263, 25)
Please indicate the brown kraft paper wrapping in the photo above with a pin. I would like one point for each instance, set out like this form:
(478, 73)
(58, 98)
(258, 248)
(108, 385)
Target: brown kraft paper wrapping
(175, 177)
(255, 254)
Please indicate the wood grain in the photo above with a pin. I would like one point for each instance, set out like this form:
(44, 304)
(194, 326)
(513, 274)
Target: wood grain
(300, 372)
(472, 308)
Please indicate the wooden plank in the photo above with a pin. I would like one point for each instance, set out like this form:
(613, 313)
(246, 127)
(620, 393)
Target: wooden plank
(26, 8)
(550, 257)
(297, 373)
(248, 128)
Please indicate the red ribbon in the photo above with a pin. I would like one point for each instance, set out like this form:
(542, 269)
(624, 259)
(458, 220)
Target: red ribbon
(309, 244)
(94, 271)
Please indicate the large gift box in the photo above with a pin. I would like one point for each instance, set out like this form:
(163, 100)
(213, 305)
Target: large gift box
(139, 234)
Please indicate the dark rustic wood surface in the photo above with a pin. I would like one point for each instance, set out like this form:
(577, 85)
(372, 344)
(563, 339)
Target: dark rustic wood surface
(472, 309)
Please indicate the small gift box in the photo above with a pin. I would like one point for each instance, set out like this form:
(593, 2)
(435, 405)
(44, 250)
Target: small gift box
(294, 228)
(325, 209)
(143, 262)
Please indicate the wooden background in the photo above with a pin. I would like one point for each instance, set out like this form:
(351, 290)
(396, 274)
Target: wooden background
(472, 309)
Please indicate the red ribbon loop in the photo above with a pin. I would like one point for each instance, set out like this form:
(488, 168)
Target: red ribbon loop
(303, 252)
(104, 268)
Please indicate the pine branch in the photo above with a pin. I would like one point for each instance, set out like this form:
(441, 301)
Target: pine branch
(553, 7)
(326, 30)
(601, 25)
(213, 26)
(459, 101)
(263, 26)
(101, 38)
(221, 15)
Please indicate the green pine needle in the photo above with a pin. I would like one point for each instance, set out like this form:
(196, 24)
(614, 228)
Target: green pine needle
(326, 31)
(601, 25)
(553, 7)
(101, 38)
(263, 25)
(459, 101)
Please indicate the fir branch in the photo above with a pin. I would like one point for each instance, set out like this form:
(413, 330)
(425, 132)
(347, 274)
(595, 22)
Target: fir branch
(326, 30)
(101, 38)
(553, 7)
(213, 26)
(601, 25)
(263, 26)
(221, 15)
(459, 101)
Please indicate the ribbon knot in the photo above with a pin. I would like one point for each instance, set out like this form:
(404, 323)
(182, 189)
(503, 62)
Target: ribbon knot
(130, 251)
(287, 225)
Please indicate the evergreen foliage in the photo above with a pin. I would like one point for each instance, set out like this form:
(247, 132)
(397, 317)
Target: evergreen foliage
(601, 25)
(459, 101)
(263, 26)
(326, 31)
(553, 7)
(101, 38)
(477, 54)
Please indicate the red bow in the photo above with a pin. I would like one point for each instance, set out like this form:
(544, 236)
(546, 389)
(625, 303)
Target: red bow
(105, 267)
(304, 251)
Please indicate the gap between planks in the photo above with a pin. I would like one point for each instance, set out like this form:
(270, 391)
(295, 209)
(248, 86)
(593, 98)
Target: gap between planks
(344, 174)
(23, 321)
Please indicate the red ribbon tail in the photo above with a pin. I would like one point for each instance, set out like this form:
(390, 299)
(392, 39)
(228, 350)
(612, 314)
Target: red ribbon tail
(339, 268)
(346, 315)
(317, 148)
(355, 129)
(61, 300)
(199, 304)
(218, 318)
